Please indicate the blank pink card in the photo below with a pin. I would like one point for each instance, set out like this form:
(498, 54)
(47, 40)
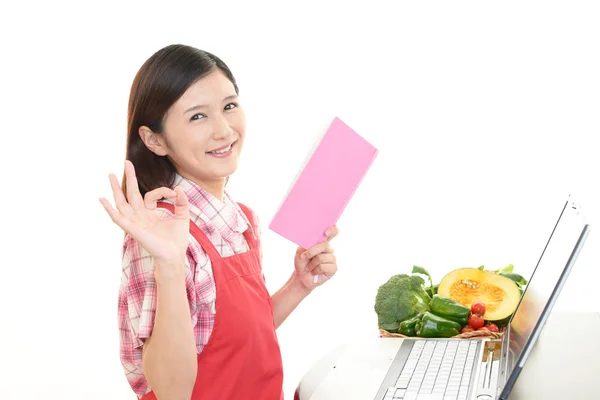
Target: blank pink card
(325, 186)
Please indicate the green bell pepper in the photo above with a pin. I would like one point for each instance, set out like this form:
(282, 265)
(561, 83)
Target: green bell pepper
(408, 327)
(518, 279)
(434, 326)
(449, 309)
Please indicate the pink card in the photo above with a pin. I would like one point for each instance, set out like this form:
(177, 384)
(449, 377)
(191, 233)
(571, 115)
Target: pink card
(325, 186)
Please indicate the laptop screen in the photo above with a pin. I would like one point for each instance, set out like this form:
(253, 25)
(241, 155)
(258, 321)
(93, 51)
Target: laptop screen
(543, 287)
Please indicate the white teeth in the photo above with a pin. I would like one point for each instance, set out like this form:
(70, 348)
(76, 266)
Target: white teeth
(225, 150)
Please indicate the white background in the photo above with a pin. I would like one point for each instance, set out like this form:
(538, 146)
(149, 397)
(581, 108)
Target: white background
(486, 117)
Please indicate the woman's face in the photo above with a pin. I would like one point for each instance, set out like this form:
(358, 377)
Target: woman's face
(204, 130)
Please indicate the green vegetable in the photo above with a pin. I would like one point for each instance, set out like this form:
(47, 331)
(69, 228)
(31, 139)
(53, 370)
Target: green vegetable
(450, 309)
(518, 279)
(391, 327)
(408, 327)
(420, 270)
(508, 268)
(401, 297)
(432, 291)
(508, 272)
(434, 326)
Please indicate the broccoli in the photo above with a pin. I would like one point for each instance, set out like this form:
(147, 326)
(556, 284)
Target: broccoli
(401, 297)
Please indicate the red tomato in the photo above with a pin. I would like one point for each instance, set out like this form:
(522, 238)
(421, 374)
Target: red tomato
(467, 329)
(478, 308)
(492, 327)
(483, 328)
(476, 321)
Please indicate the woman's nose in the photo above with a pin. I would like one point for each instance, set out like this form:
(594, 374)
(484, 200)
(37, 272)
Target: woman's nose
(221, 128)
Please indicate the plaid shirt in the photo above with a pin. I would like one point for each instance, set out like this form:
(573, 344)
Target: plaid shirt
(224, 223)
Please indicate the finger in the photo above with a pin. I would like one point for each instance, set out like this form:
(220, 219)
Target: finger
(327, 269)
(133, 191)
(300, 250)
(323, 258)
(181, 204)
(332, 232)
(114, 215)
(152, 197)
(323, 272)
(120, 200)
(323, 247)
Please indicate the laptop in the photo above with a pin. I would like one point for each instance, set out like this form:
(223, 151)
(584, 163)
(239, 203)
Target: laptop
(486, 368)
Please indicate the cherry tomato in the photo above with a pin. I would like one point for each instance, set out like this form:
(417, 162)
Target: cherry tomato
(478, 308)
(467, 329)
(483, 328)
(476, 321)
(492, 327)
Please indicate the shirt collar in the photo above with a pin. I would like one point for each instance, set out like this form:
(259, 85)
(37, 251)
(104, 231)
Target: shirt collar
(222, 216)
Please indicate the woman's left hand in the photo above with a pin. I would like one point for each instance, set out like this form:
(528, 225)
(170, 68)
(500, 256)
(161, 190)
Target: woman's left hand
(316, 265)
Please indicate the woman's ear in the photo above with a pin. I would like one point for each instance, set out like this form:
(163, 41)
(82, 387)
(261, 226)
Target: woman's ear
(153, 141)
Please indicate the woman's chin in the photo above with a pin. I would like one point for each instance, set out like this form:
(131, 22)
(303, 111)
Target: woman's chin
(224, 172)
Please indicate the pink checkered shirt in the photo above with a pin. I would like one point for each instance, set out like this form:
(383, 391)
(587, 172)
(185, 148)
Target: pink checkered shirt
(224, 223)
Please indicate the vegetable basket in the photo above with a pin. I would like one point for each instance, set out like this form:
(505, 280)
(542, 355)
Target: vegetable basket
(466, 335)
(407, 308)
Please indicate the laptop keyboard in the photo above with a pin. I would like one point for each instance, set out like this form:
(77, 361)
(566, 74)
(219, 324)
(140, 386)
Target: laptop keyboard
(436, 370)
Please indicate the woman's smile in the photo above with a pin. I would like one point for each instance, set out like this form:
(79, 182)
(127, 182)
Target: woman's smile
(223, 151)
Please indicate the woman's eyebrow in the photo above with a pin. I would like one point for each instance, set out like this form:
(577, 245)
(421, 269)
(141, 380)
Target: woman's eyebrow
(232, 97)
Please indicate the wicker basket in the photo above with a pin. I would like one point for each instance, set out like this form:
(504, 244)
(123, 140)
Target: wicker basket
(466, 335)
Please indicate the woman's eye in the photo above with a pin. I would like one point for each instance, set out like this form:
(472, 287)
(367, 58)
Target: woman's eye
(231, 106)
(196, 117)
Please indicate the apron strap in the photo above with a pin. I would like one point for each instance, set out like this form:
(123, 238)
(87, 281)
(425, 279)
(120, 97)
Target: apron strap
(249, 233)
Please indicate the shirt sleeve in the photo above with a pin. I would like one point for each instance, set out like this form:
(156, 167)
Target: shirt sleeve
(138, 295)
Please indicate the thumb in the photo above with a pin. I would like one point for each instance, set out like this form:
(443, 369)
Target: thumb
(300, 264)
(299, 252)
(181, 204)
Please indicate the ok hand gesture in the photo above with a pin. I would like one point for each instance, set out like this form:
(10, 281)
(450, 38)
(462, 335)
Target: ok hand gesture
(165, 239)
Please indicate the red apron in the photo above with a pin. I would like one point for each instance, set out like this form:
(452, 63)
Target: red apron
(242, 359)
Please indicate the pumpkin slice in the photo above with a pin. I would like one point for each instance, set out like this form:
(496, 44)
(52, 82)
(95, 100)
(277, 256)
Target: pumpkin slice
(499, 294)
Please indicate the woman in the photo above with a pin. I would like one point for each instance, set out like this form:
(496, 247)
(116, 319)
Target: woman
(195, 318)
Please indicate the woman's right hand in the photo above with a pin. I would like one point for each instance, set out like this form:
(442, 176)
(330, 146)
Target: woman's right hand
(165, 239)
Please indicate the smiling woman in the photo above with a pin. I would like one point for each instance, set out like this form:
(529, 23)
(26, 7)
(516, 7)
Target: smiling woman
(209, 134)
(188, 243)
(193, 95)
